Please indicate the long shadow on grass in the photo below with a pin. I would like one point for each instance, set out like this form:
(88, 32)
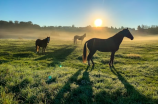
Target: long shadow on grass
(3, 61)
(58, 55)
(17, 88)
(18, 52)
(132, 95)
(83, 93)
(59, 98)
(75, 91)
(20, 48)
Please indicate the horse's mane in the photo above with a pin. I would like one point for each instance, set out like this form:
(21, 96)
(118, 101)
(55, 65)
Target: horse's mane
(118, 37)
(45, 39)
(118, 32)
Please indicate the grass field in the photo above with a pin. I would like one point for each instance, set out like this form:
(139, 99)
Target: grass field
(61, 77)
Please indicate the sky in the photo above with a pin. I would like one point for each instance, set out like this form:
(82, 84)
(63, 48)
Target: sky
(81, 13)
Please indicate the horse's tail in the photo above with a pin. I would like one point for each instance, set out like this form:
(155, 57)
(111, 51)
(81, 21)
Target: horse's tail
(37, 47)
(84, 56)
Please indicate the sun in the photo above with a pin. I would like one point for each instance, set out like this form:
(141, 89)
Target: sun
(98, 22)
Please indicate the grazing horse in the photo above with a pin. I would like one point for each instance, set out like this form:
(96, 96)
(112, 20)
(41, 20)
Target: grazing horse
(42, 43)
(79, 38)
(105, 45)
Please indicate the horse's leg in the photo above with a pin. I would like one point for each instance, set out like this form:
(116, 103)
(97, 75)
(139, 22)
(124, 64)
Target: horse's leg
(39, 49)
(42, 50)
(112, 58)
(92, 61)
(90, 57)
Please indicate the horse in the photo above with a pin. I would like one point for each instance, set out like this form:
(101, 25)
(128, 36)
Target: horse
(105, 45)
(42, 43)
(79, 38)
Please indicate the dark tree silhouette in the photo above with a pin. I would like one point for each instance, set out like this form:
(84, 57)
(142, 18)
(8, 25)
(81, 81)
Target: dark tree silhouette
(21, 24)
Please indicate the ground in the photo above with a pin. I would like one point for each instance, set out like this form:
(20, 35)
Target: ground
(60, 76)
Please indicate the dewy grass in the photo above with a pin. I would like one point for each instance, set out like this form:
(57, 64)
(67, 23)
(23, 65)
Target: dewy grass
(60, 76)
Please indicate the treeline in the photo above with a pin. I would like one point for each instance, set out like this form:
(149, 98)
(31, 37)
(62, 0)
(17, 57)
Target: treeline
(29, 25)
(148, 29)
(17, 24)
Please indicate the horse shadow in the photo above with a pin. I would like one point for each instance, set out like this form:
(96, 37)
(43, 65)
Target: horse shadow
(64, 89)
(17, 88)
(88, 68)
(13, 51)
(58, 55)
(76, 94)
(3, 61)
(20, 48)
(68, 94)
(132, 95)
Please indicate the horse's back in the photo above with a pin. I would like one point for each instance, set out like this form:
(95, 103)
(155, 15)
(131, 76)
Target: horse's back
(103, 45)
(40, 43)
(79, 37)
(76, 37)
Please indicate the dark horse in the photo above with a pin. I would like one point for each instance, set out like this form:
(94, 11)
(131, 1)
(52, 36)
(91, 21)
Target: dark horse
(42, 43)
(105, 45)
(79, 38)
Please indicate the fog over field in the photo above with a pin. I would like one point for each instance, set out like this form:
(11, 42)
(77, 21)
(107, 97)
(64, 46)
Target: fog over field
(64, 35)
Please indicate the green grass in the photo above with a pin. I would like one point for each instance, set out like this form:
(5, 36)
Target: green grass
(61, 77)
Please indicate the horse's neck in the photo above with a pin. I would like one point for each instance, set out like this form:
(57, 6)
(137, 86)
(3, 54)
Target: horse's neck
(45, 39)
(118, 38)
(82, 37)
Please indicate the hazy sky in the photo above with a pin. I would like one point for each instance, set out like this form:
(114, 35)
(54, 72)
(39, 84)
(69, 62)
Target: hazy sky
(116, 13)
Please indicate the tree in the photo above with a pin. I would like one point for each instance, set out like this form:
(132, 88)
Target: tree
(16, 22)
(139, 28)
(73, 26)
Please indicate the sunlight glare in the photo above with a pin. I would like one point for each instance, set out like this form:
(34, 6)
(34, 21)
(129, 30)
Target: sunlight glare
(98, 22)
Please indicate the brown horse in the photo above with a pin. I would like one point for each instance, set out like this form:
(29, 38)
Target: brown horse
(79, 38)
(42, 43)
(105, 45)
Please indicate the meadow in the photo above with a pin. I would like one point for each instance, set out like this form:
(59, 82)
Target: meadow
(60, 76)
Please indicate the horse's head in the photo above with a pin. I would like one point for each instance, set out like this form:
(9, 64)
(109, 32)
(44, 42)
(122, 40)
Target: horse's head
(127, 34)
(48, 39)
